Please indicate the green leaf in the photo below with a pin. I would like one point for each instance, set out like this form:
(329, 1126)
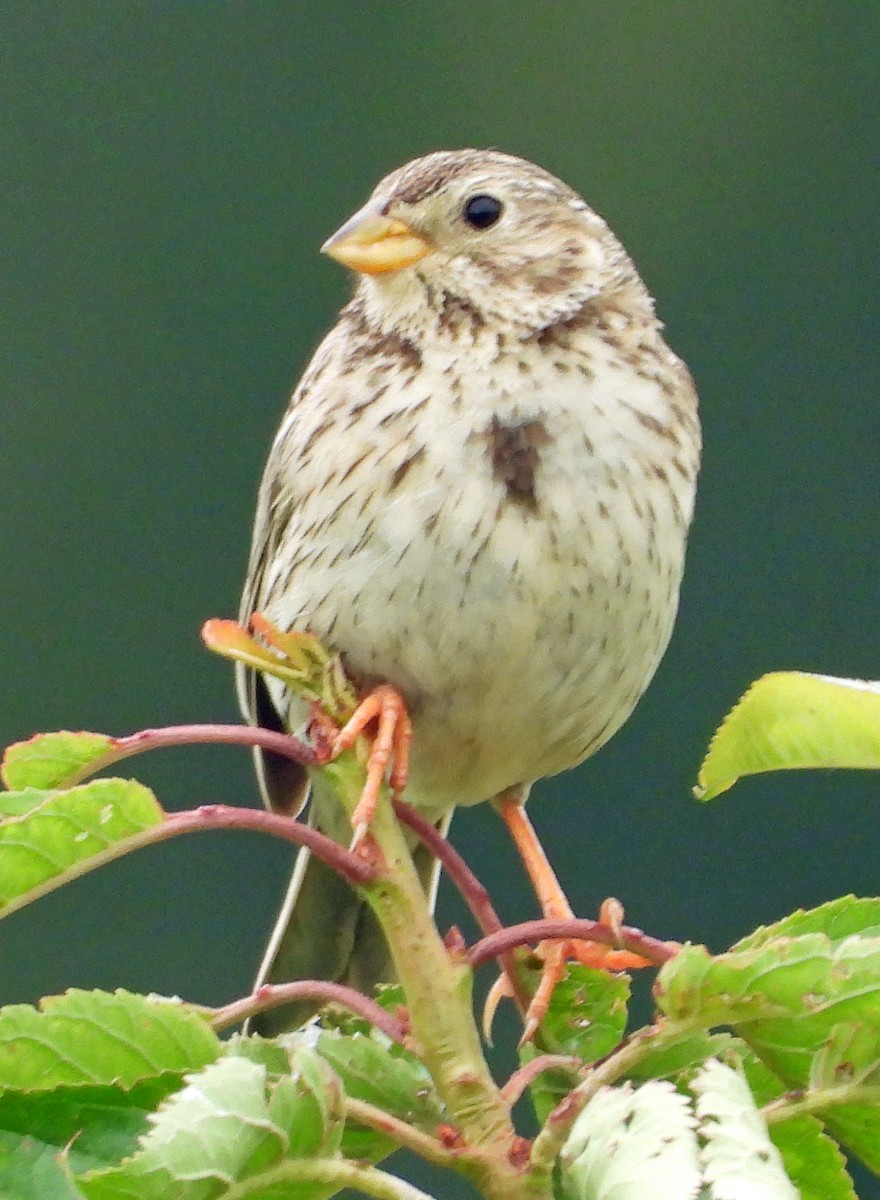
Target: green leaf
(587, 1013)
(69, 833)
(784, 996)
(808, 1008)
(309, 1106)
(670, 1062)
(845, 989)
(743, 986)
(736, 1154)
(790, 719)
(18, 804)
(586, 1019)
(268, 1052)
(632, 1144)
(31, 1170)
(93, 1126)
(49, 760)
(117, 1039)
(374, 1069)
(838, 919)
(230, 1122)
(813, 1161)
(848, 1067)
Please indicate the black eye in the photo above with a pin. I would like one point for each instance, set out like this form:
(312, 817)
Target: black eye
(482, 211)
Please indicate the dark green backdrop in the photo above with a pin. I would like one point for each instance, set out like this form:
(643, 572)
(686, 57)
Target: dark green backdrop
(167, 172)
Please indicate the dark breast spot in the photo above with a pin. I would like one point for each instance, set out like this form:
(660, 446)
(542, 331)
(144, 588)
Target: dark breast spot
(514, 451)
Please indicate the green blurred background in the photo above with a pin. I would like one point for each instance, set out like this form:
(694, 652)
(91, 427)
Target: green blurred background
(168, 173)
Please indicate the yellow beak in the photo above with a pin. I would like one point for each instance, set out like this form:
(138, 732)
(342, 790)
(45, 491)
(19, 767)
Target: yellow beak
(374, 244)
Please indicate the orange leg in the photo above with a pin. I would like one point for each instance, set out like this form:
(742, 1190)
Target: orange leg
(385, 706)
(554, 904)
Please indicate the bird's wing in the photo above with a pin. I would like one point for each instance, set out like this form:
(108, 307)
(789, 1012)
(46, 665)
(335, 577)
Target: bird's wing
(283, 783)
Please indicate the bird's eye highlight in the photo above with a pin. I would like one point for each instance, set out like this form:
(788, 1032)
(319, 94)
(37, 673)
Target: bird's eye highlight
(481, 212)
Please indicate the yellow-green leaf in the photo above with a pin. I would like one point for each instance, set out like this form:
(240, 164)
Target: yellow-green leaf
(792, 720)
(69, 833)
(101, 1038)
(49, 760)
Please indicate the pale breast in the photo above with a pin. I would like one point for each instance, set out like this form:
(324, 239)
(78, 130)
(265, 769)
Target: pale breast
(505, 546)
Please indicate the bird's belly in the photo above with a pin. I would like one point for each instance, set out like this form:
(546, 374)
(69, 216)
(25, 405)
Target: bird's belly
(521, 639)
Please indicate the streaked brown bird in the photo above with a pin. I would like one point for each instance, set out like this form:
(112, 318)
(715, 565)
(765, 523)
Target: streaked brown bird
(480, 494)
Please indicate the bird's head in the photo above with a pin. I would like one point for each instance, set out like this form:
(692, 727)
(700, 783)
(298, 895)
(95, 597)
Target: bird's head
(480, 232)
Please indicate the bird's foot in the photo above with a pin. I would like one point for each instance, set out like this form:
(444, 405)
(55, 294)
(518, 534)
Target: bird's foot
(384, 706)
(554, 956)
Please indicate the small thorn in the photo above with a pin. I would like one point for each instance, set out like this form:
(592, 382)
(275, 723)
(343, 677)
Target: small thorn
(454, 942)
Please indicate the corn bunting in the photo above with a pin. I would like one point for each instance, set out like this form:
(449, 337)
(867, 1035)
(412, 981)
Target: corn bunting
(480, 495)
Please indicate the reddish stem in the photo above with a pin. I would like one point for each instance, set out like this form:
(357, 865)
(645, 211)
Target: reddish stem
(473, 892)
(520, 1080)
(190, 735)
(221, 816)
(652, 949)
(271, 995)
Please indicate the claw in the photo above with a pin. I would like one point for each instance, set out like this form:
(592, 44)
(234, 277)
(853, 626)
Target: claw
(500, 990)
(554, 904)
(390, 748)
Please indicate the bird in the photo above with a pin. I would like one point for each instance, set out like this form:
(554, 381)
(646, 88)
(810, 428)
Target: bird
(479, 496)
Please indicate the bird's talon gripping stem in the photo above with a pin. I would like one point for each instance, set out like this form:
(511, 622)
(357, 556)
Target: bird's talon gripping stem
(390, 748)
(554, 904)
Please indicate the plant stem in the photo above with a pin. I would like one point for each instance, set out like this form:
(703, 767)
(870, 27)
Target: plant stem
(271, 995)
(422, 1144)
(198, 735)
(439, 1001)
(337, 1173)
(472, 891)
(574, 929)
(620, 1062)
(817, 1100)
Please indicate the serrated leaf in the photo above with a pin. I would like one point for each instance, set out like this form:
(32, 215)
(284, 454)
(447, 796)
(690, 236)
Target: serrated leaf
(587, 1013)
(103, 1038)
(784, 996)
(738, 1159)
(744, 985)
(49, 760)
(93, 1126)
(229, 1122)
(844, 988)
(793, 720)
(857, 1126)
(669, 1062)
(787, 998)
(309, 1106)
(268, 1052)
(813, 1161)
(632, 1144)
(586, 1019)
(838, 919)
(374, 1069)
(67, 833)
(31, 1170)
